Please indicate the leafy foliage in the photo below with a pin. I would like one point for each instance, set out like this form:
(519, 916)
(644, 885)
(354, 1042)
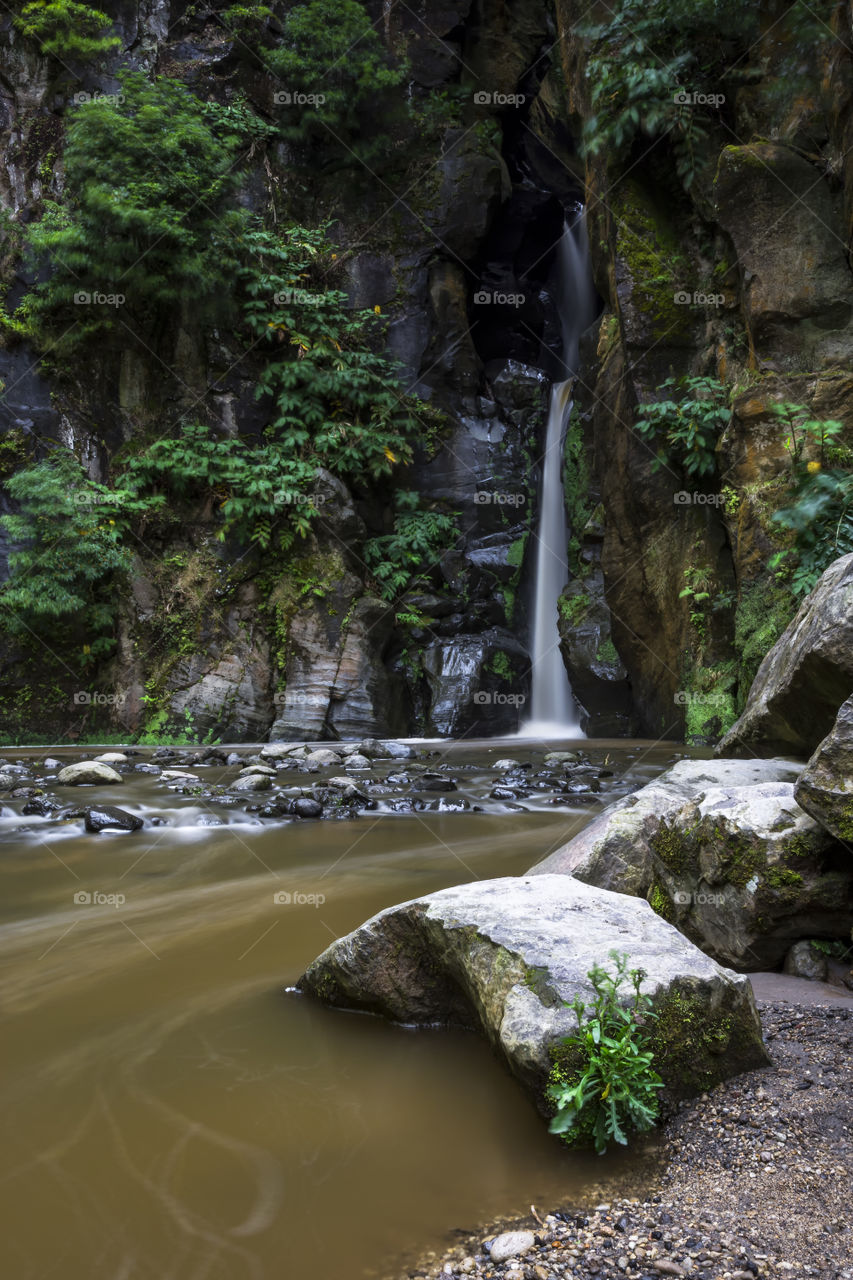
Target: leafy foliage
(613, 1090)
(333, 397)
(687, 428)
(65, 29)
(642, 55)
(149, 174)
(821, 519)
(400, 560)
(334, 68)
(67, 548)
(821, 513)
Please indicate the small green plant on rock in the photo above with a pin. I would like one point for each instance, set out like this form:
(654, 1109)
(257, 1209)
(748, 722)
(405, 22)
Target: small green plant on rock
(606, 1086)
(686, 427)
(65, 29)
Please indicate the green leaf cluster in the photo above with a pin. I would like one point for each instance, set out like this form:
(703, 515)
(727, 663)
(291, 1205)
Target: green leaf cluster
(339, 77)
(642, 55)
(402, 560)
(65, 29)
(67, 548)
(147, 213)
(686, 428)
(611, 1090)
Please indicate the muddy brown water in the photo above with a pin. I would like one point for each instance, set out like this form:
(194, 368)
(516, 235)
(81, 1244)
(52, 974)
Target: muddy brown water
(170, 1109)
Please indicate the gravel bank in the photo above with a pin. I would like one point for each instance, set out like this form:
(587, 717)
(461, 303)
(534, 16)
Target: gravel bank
(757, 1182)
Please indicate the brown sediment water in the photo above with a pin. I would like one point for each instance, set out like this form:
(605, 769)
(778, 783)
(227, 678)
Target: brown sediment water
(170, 1109)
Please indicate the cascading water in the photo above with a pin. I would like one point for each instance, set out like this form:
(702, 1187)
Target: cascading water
(553, 711)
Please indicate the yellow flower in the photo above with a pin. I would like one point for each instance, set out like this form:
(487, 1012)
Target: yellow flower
(606, 1091)
(813, 468)
(389, 455)
(87, 648)
(378, 310)
(334, 255)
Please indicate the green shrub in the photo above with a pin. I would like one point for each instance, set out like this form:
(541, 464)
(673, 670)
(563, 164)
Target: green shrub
(686, 429)
(332, 57)
(64, 29)
(821, 519)
(402, 560)
(67, 551)
(146, 218)
(608, 1087)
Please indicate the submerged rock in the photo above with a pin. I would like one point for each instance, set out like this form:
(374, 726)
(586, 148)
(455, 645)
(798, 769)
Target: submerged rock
(805, 677)
(825, 788)
(89, 773)
(105, 817)
(505, 956)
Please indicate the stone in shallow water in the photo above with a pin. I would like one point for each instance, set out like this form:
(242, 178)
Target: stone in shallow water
(252, 782)
(323, 757)
(305, 807)
(88, 773)
(105, 817)
(511, 1245)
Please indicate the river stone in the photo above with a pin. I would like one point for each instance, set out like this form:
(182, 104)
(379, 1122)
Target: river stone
(112, 757)
(511, 1245)
(614, 852)
(357, 761)
(504, 957)
(279, 750)
(257, 768)
(825, 788)
(805, 961)
(805, 677)
(375, 750)
(344, 785)
(396, 750)
(506, 764)
(104, 817)
(252, 782)
(87, 773)
(323, 756)
(305, 807)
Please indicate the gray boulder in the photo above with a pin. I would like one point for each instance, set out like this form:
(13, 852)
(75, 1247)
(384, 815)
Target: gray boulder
(805, 961)
(825, 788)
(89, 773)
(804, 678)
(105, 817)
(323, 757)
(252, 782)
(614, 851)
(505, 956)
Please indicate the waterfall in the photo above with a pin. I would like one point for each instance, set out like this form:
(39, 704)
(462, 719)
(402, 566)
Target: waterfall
(553, 711)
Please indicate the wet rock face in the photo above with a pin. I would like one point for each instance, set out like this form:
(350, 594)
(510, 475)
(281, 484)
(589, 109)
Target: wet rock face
(789, 313)
(805, 677)
(504, 957)
(825, 788)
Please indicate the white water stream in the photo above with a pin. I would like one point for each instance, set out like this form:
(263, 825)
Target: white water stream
(553, 710)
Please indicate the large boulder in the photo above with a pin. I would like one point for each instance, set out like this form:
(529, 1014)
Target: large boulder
(825, 788)
(723, 851)
(615, 850)
(88, 773)
(504, 957)
(805, 677)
